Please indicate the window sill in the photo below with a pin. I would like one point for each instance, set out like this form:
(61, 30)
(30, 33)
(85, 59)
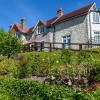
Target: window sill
(95, 22)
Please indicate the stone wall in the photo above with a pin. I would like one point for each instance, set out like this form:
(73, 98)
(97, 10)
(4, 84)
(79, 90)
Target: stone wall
(76, 27)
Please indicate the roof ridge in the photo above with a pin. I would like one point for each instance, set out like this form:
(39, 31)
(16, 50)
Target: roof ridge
(57, 18)
(89, 5)
(86, 5)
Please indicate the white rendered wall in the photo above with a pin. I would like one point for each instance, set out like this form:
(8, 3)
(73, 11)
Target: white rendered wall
(95, 27)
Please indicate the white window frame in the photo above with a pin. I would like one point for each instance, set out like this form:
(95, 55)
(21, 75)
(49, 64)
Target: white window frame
(96, 38)
(42, 29)
(96, 17)
(66, 38)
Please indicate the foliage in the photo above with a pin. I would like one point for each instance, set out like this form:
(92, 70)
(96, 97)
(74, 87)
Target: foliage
(12, 89)
(84, 56)
(66, 56)
(16, 68)
(53, 63)
(9, 44)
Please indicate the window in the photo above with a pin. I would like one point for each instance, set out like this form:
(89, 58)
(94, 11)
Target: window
(96, 37)
(42, 29)
(96, 17)
(67, 39)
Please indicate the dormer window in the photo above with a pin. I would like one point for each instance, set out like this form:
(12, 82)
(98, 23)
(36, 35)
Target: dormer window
(42, 29)
(96, 17)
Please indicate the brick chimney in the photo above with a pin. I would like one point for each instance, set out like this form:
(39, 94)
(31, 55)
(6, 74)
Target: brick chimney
(23, 22)
(60, 12)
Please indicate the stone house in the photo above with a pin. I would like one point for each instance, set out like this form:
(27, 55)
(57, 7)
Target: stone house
(79, 26)
(22, 31)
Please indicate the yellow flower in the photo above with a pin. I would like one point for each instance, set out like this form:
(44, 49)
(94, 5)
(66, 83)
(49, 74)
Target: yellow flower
(57, 61)
(43, 59)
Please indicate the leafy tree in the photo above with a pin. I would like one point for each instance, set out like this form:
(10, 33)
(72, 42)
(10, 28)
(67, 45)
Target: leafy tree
(9, 44)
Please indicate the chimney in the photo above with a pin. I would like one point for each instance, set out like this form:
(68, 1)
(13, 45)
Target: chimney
(23, 22)
(60, 12)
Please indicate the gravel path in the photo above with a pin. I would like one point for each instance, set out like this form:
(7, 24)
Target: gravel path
(35, 78)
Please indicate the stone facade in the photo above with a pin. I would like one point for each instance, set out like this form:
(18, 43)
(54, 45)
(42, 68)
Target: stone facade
(80, 28)
(76, 28)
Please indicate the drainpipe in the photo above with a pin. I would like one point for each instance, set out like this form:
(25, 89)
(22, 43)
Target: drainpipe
(53, 35)
(90, 29)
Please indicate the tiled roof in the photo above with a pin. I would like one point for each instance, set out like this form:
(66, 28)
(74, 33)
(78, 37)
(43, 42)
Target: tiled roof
(74, 13)
(80, 11)
(26, 30)
(51, 20)
(18, 28)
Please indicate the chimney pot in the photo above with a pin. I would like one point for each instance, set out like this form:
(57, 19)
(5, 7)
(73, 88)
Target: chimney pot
(23, 22)
(60, 12)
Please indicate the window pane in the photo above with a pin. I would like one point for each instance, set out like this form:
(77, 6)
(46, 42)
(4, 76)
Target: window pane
(42, 29)
(67, 39)
(96, 37)
(96, 17)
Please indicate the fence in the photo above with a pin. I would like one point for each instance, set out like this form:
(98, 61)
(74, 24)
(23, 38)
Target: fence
(48, 46)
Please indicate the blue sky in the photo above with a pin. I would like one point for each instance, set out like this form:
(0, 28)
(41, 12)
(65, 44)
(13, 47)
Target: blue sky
(11, 11)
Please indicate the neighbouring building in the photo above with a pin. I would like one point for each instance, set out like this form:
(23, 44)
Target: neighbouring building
(79, 26)
(22, 31)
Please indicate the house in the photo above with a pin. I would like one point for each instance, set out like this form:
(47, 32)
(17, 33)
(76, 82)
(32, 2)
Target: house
(22, 31)
(79, 26)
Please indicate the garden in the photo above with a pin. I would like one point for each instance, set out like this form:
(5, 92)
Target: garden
(60, 75)
(68, 75)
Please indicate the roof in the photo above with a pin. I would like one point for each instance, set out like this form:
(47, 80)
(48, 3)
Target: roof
(26, 30)
(78, 12)
(68, 16)
(18, 28)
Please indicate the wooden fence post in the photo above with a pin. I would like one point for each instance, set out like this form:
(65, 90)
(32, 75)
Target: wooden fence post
(35, 46)
(63, 46)
(50, 47)
(41, 46)
(80, 46)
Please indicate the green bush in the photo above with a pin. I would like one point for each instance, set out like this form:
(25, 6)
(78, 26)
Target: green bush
(16, 68)
(2, 58)
(45, 63)
(95, 73)
(28, 90)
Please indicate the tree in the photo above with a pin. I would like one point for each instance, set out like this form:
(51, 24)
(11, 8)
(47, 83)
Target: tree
(9, 44)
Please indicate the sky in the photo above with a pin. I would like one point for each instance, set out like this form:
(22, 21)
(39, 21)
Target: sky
(11, 11)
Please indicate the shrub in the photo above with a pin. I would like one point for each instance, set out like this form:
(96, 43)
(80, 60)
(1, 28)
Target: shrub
(2, 58)
(28, 90)
(16, 68)
(66, 56)
(84, 56)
